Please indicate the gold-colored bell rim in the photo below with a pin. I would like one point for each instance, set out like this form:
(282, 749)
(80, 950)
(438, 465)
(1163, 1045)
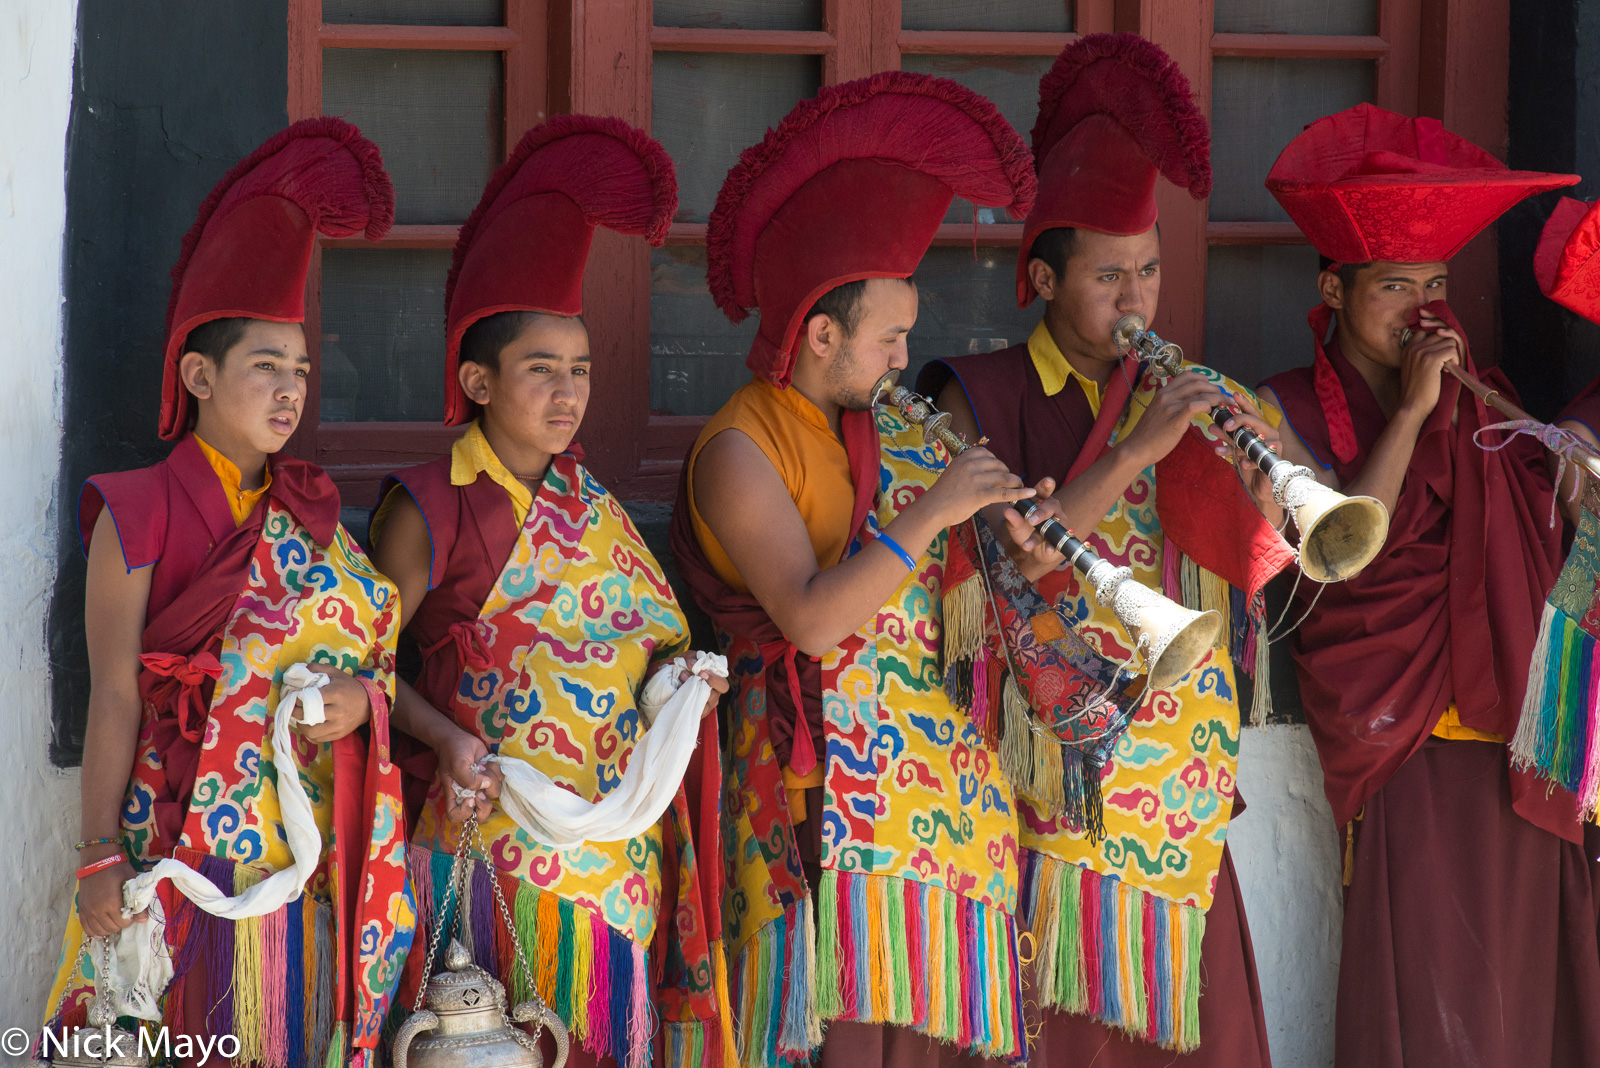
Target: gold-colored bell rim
(1328, 558)
(1185, 650)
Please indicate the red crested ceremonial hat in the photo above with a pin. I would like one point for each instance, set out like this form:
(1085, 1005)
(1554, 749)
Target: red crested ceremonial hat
(525, 245)
(852, 184)
(247, 254)
(1115, 113)
(1367, 184)
(1565, 262)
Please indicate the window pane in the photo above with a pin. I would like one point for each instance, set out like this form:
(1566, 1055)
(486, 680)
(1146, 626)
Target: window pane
(383, 334)
(1041, 16)
(967, 303)
(1257, 298)
(437, 116)
(707, 108)
(740, 14)
(1260, 105)
(696, 354)
(415, 12)
(1297, 16)
(1011, 82)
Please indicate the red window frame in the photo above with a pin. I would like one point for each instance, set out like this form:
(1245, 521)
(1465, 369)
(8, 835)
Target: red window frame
(1445, 58)
(360, 454)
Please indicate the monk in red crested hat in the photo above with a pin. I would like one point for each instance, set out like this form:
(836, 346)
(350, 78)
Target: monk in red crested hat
(1469, 929)
(874, 875)
(545, 627)
(238, 831)
(1070, 407)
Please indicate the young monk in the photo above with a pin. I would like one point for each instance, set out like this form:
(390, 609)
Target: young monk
(541, 614)
(1070, 407)
(1469, 927)
(211, 575)
(873, 848)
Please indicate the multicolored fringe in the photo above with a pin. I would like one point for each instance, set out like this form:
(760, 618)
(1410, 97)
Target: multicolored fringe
(1245, 624)
(1062, 779)
(880, 949)
(596, 979)
(1558, 734)
(1105, 949)
(268, 980)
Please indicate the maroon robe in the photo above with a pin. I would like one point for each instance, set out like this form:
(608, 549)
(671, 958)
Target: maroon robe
(1038, 436)
(1469, 928)
(1584, 408)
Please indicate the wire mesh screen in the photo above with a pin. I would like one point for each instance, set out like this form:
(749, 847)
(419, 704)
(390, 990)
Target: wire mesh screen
(1297, 16)
(740, 14)
(383, 334)
(1260, 105)
(437, 116)
(1256, 300)
(1011, 82)
(1041, 16)
(707, 108)
(696, 354)
(415, 12)
(966, 302)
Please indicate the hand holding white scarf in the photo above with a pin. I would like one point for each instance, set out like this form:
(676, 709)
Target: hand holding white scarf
(554, 816)
(141, 963)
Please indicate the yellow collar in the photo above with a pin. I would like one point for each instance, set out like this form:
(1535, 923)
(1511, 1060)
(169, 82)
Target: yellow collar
(472, 455)
(1055, 371)
(241, 502)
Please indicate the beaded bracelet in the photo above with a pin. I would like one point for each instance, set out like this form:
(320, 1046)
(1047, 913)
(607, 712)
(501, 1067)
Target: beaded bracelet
(100, 865)
(97, 842)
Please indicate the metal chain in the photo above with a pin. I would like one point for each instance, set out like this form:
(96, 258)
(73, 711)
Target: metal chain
(511, 928)
(450, 893)
(77, 970)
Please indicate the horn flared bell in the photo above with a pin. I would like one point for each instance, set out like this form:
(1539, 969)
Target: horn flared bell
(1339, 535)
(1171, 639)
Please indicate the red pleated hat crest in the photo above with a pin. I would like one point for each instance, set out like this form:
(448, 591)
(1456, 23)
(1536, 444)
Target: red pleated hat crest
(1565, 262)
(1115, 113)
(1366, 185)
(852, 184)
(525, 245)
(247, 254)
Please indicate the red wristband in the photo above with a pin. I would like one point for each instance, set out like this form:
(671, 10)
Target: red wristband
(100, 865)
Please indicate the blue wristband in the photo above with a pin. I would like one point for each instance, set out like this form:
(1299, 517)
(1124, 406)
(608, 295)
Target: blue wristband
(893, 545)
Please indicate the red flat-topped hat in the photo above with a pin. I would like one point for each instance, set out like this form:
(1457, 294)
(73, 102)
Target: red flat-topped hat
(1115, 113)
(247, 254)
(1565, 262)
(1366, 185)
(851, 185)
(525, 245)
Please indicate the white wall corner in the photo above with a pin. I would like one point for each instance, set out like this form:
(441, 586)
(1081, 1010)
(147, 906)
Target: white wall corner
(38, 802)
(1286, 850)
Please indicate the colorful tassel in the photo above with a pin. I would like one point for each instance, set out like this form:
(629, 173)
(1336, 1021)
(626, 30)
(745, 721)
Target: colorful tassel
(1114, 952)
(897, 952)
(1557, 733)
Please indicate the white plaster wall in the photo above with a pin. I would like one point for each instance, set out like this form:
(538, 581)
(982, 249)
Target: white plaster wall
(38, 804)
(1287, 854)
